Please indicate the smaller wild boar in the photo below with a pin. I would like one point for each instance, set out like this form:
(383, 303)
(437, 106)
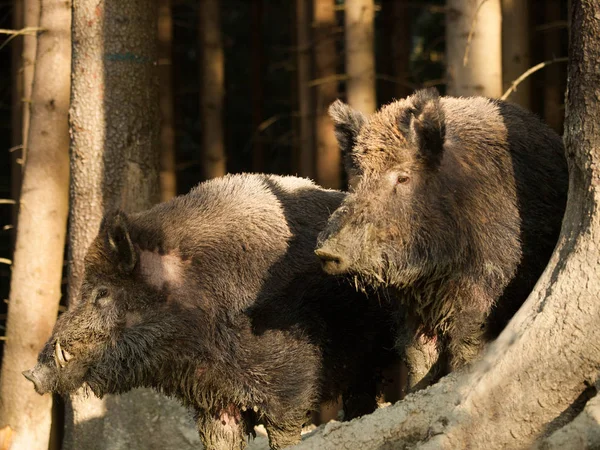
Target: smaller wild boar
(457, 209)
(217, 299)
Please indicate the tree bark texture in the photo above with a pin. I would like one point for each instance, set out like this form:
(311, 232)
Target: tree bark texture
(515, 49)
(16, 111)
(168, 173)
(305, 94)
(212, 69)
(31, 9)
(114, 164)
(328, 159)
(481, 21)
(535, 378)
(397, 19)
(38, 258)
(26, 13)
(554, 94)
(360, 55)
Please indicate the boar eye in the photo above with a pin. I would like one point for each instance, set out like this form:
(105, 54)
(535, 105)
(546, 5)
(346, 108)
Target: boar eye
(402, 179)
(101, 293)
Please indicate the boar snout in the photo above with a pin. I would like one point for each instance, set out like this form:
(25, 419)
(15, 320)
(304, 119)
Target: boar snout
(42, 378)
(31, 376)
(332, 262)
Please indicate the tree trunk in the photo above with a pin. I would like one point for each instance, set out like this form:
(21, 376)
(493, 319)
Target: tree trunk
(515, 49)
(328, 160)
(360, 55)
(16, 112)
(212, 90)
(168, 174)
(305, 94)
(396, 47)
(38, 258)
(535, 378)
(258, 157)
(480, 72)
(553, 80)
(114, 163)
(26, 13)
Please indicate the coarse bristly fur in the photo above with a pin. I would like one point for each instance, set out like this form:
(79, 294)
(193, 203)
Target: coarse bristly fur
(216, 298)
(457, 210)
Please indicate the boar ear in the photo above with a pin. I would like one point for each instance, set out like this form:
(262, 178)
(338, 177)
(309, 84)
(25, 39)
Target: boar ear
(424, 124)
(347, 124)
(118, 240)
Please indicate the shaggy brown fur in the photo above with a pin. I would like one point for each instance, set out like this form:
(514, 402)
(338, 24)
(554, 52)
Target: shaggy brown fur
(216, 298)
(457, 210)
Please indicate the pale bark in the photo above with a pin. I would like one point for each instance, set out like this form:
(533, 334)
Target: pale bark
(114, 163)
(532, 379)
(38, 258)
(360, 55)
(213, 159)
(582, 433)
(481, 21)
(305, 99)
(515, 49)
(328, 158)
(168, 175)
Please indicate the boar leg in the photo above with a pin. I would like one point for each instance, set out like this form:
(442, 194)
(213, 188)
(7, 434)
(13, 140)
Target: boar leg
(421, 354)
(285, 432)
(467, 337)
(225, 429)
(361, 398)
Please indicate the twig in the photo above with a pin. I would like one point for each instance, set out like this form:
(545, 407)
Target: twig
(552, 25)
(400, 81)
(32, 31)
(28, 30)
(471, 32)
(328, 79)
(514, 84)
(7, 201)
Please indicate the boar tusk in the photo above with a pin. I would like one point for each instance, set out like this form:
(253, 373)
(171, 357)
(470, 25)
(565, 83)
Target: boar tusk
(59, 356)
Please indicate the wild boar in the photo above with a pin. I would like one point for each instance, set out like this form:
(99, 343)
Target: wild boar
(457, 209)
(216, 298)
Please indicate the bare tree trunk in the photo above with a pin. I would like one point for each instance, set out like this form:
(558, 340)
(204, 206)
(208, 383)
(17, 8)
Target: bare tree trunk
(534, 379)
(515, 49)
(31, 19)
(114, 163)
(258, 157)
(38, 259)
(397, 46)
(26, 13)
(168, 174)
(16, 111)
(212, 90)
(305, 94)
(553, 89)
(479, 20)
(360, 55)
(328, 159)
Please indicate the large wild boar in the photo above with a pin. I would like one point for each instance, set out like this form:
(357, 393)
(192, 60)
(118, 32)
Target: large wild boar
(216, 298)
(457, 209)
